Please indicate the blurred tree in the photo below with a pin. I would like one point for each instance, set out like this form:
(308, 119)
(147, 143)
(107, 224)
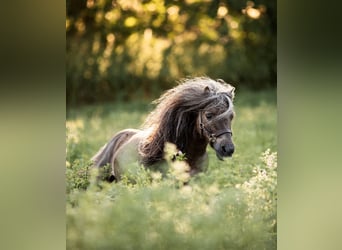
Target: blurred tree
(122, 49)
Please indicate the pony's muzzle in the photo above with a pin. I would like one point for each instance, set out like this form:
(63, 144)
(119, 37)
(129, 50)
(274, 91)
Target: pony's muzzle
(224, 150)
(227, 149)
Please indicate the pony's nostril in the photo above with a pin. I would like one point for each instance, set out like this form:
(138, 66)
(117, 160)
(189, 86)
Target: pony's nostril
(229, 150)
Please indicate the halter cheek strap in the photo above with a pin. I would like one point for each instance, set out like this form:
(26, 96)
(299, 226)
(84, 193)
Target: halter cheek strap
(213, 136)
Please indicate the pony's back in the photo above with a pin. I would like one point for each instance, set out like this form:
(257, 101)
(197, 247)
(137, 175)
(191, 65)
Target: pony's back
(106, 153)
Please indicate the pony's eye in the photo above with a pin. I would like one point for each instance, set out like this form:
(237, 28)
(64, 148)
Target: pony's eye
(209, 116)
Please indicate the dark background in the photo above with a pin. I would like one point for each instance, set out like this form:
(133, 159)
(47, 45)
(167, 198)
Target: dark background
(124, 50)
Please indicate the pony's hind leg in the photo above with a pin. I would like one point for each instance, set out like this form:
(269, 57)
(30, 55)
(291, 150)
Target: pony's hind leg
(106, 154)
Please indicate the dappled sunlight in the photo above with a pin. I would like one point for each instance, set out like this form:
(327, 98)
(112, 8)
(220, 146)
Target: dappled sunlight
(195, 1)
(222, 11)
(105, 61)
(148, 52)
(207, 28)
(156, 42)
(234, 24)
(80, 26)
(113, 16)
(148, 34)
(90, 3)
(96, 44)
(173, 13)
(67, 23)
(252, 12)
(99, 16)
(133, 5)
(131, 22)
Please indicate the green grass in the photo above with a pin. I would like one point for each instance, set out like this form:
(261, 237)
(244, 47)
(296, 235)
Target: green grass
(231, 206)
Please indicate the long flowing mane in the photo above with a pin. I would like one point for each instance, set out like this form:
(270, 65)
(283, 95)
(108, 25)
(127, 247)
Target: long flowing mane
(174, 118)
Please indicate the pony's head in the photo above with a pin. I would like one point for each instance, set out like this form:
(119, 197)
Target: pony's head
(214, 121)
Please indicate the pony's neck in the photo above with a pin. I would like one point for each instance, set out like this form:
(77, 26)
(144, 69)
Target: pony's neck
(195, 149)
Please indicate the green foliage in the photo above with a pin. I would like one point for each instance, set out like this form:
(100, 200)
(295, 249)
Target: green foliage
(231, 206)
(120, 50)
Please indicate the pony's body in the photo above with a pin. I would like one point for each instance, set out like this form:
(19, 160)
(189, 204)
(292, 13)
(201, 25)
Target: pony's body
(192, 115)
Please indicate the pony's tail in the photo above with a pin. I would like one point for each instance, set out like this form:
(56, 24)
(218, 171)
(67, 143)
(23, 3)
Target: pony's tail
(106, 153)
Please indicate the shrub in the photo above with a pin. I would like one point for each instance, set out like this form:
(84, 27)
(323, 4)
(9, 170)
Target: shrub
(230, 206)
(156, 213)
(122, 50)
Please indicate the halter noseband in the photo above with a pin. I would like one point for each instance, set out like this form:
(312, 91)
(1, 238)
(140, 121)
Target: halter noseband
(213, 136)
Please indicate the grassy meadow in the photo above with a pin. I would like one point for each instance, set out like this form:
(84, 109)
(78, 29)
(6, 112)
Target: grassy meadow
(230, 206)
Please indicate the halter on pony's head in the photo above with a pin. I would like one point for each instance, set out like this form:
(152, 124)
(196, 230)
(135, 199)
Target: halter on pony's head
(214, 120)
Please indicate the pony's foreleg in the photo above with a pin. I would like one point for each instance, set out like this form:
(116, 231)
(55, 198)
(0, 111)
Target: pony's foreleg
(105, 154)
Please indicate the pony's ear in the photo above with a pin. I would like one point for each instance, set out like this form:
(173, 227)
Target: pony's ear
(231, 91)
(221, 81)
(207, 90)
